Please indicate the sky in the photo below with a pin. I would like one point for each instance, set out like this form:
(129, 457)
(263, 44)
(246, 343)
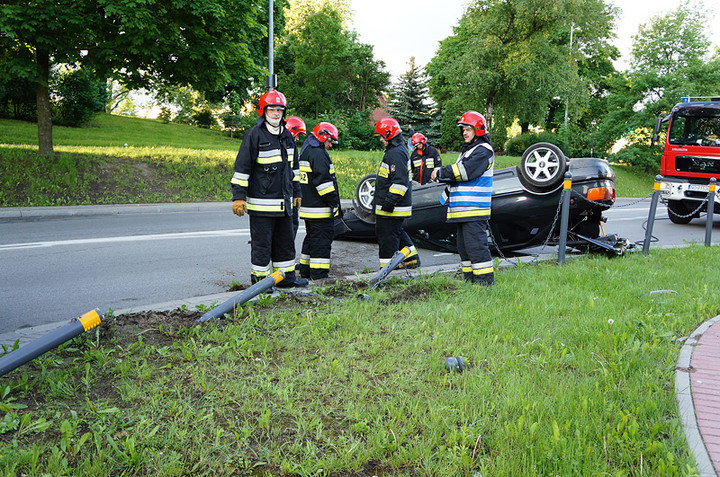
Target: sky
(399, 29)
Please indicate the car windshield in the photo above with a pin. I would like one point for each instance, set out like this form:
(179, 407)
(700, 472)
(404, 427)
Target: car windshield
(701, 128)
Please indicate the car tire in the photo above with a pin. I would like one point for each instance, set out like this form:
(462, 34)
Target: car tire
(677, 212)
(543, 166)
(365, 193)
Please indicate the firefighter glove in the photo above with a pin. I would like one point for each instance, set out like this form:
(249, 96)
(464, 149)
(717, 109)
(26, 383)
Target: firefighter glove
(296, 202)
(239, 207)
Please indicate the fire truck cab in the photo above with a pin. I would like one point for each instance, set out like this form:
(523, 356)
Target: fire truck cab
(691, 156)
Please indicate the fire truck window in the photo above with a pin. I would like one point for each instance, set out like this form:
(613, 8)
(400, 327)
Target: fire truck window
(678, 131)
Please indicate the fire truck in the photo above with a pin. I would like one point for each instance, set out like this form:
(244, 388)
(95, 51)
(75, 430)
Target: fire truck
(691, 156)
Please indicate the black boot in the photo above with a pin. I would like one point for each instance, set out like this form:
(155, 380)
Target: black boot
(290, 281)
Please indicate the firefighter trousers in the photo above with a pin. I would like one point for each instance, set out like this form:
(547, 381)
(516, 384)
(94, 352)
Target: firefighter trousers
(316, 248)
(472, 244)
(391, 237)
(272, 247)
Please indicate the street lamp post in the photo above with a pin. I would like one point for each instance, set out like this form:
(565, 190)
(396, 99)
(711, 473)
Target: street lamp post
(271, 80)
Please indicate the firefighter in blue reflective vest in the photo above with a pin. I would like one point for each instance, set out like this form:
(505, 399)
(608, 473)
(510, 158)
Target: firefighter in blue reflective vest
(393, 196)
(321, 201)
(468, 197)
(266, 186)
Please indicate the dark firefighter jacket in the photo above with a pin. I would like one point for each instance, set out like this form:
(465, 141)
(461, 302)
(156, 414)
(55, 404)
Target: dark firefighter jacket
(317, 181)
(423, 163)
(392, 186)
(266, 171)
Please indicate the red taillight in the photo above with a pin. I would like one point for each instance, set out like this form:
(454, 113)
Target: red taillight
(601, 193)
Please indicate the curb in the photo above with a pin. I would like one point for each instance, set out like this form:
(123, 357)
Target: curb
(119, 209)
(686, 408)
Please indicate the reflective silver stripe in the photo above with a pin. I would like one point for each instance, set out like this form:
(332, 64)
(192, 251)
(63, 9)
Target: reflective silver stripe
(417, 162)
(270, 153)
(281, 265)
(398, 188)
(462, 189)
(296, 172)
(315, 210)
(488, 264)
(325, 188)
(384, 166)
(256, 201)
(431, 163)
(332, 168)
(384, 261)
(261, 268)
(305, 166)
(240, 176)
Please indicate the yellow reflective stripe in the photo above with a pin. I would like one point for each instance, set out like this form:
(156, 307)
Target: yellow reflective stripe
(290, 268)
(394, 213)
(383, 173)
(239, 182)
(395, 190)
(482, 271)
(90, 319)
(469, 213)
(326, 189)
(466, 269)
(456, 172)
(265, 208)
(315, 215)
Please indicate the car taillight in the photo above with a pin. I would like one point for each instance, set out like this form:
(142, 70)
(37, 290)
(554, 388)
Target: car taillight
(601, 193)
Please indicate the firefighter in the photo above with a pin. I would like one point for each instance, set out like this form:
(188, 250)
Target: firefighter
(321, 201)
(266, 185)
(296, 126)
(468, 196)
(393, 196)
(424, 159)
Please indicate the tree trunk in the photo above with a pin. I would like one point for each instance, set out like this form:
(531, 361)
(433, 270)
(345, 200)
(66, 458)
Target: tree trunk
(45, 142)
(489, 114)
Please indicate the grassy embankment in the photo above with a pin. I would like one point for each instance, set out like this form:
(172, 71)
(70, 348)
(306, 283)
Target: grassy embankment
(570, 372)
(161, 163)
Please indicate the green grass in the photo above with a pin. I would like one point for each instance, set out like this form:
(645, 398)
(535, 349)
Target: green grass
(577, 385)
(161, 163)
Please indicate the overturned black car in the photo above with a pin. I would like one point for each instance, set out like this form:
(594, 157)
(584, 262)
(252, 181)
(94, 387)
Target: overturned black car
(525, 206)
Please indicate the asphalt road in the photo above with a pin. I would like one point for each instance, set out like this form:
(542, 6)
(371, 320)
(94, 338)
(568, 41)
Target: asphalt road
(58, 263)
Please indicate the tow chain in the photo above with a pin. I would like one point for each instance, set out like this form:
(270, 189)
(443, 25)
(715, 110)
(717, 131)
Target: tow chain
(691, 214)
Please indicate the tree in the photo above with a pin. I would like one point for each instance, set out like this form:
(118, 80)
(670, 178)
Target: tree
(409, 104)
(670, 59)
(324, 66)
(516, 55)
(208, 44)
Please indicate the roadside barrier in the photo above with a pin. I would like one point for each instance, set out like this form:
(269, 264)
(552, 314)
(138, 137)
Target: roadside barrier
(564, 212)
(246, 295)
(53, 339)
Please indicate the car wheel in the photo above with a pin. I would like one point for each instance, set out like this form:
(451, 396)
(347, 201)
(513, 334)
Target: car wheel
(677, 212)
(365, 193)
(543, 166)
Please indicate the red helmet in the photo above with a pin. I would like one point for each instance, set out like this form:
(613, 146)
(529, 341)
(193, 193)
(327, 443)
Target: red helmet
(271, 98)
(474, 119)
(418, 138)
(388, 128)
(296, 126)
(324, 131)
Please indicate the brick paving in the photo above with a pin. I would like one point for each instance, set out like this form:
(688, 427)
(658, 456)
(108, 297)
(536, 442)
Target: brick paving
(705, 389)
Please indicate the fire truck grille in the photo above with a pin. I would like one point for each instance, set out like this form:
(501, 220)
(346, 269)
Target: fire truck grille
(707, 165)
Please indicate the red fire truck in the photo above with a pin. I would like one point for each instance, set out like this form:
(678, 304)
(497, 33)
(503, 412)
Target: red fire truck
(691, 156)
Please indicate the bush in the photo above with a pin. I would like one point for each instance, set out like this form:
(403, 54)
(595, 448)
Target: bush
(18, 99)
(638, 155)
(204, 118)
(517, 145)
(81, 97)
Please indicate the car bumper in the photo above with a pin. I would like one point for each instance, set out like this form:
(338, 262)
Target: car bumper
(686, 190)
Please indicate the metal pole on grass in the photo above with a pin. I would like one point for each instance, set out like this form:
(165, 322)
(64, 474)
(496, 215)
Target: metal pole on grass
(710, 211)
(244, 296)
(564, 217)
(396, 260)
(271, 82)
(651, 216)
(55, 338)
